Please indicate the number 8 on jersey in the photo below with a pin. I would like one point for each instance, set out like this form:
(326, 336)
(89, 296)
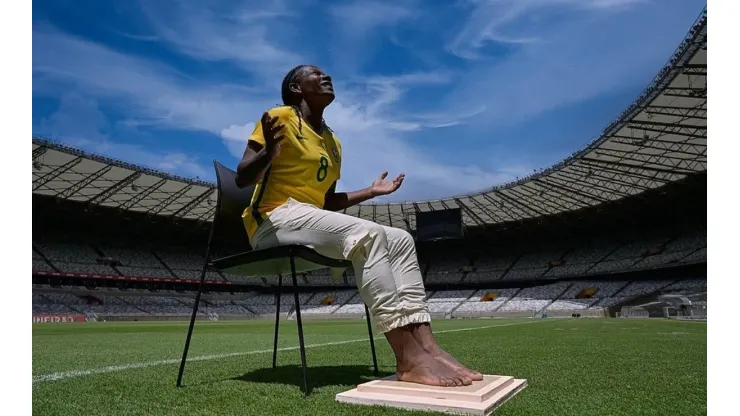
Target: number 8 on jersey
(323, 169)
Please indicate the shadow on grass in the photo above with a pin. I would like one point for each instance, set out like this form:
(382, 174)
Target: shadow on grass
(318, 376)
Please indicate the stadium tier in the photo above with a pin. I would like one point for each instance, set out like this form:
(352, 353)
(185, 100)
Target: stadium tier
(565, 297)
(580, 259)
(619, 223)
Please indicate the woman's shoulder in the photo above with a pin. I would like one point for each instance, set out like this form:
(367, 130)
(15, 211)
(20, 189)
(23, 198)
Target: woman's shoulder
(283, 112)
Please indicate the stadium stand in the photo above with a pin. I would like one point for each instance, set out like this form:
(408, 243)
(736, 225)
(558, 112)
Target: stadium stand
(444, 302)
(622, 218)
(591, 258)
(534, 298)
(353, 307)
(571, 296)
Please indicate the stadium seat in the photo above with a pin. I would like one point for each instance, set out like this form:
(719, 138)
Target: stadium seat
(279, 261)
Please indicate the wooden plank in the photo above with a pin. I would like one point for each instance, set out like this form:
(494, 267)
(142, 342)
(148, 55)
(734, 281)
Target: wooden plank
(480, 398)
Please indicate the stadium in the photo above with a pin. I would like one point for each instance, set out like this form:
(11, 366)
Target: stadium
(616, 230)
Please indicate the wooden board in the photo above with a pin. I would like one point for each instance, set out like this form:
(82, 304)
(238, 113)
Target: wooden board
(480, 398)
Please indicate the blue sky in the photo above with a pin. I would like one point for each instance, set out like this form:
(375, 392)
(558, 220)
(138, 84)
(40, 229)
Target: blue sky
(458, 94)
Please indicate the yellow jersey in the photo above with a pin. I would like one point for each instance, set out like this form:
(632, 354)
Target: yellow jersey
(306, 167)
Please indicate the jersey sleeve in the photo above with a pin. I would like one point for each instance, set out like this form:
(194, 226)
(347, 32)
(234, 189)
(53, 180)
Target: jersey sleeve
(283, 115)
(257, 135)
(341, 156)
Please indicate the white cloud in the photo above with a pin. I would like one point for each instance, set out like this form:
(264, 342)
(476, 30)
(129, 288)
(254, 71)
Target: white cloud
(235, 138)
(81, 123)
(378, 96)
(359, 22)
(371, 115)
(488, 20)
(157, 94)
(179, 162)
(484, 24)
(66, 120)
(413, 78)
(580, 57)
(374, 145)
(361, 17)
(240, 34)
(609, 4)
(173, 162)
(367, 116)
(149, 92)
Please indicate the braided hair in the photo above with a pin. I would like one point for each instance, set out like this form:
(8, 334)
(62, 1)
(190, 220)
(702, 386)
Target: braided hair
(293, 100)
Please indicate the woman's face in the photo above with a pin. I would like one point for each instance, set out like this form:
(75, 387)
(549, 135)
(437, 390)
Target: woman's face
(314, 86)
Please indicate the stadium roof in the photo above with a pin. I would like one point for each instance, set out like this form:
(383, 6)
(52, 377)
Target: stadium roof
(660, 138)
(72, 174)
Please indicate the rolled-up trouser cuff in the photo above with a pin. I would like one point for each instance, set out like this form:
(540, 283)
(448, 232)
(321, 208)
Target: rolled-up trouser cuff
(388, 324)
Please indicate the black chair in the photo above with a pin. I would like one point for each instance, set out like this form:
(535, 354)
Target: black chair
(230, 205)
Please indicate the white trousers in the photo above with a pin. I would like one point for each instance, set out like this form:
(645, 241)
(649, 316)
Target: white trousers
(384, 258)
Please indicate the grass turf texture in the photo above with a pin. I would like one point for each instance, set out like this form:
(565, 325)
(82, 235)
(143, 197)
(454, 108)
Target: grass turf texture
(574, 366)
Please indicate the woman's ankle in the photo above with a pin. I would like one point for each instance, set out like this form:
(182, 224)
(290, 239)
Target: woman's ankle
(406, 348)
(423, 335)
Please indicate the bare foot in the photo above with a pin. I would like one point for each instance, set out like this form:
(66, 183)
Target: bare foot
(430, 371)
(422, 333)
(447, 359)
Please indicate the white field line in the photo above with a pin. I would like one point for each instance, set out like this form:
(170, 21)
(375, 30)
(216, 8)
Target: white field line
(122, 367)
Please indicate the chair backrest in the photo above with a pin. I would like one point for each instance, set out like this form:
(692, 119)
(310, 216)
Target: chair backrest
(232, 201)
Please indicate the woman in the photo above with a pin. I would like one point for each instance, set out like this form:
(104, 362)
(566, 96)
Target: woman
(295, 159)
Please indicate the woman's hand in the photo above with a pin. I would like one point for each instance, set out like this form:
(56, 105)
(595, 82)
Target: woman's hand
(272, 133)
(256, 157)
(382, 187)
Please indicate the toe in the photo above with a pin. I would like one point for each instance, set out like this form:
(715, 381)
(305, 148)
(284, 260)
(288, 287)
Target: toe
(474, 375)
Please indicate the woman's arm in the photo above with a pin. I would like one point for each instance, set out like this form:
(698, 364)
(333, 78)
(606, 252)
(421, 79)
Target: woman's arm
(336, 201)
(262, 147)
(253, 165)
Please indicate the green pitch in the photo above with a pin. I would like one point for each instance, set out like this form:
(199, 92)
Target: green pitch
(574, 367)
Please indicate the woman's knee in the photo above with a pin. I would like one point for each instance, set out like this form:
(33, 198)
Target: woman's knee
(402, 237)
(377, 234)
(372, 240)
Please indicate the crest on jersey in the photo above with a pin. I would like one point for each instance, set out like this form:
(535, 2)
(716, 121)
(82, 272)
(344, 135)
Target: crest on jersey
(335, 152)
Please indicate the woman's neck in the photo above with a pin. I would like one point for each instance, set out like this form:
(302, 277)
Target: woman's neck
(313, 116)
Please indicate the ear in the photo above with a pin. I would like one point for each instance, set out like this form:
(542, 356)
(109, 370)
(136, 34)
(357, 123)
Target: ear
(294, 88)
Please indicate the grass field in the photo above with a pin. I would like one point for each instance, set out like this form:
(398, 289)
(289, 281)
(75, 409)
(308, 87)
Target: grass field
(574, 367)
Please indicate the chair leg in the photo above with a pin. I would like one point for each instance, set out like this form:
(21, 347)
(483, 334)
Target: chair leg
(277, 322)
(192, 321)
(300, 326)
(372, 340)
